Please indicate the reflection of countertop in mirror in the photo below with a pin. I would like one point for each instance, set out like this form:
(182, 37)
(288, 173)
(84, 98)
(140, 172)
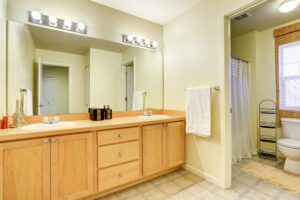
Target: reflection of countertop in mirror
(84, 126)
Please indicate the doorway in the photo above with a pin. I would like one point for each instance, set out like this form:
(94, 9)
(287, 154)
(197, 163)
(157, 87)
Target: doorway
(54, 95)
(129, 84)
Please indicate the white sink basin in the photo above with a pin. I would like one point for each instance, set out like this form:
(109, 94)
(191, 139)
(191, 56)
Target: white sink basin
(154, 117)
(41, 126)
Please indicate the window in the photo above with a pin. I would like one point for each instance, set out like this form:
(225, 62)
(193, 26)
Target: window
(289, 76)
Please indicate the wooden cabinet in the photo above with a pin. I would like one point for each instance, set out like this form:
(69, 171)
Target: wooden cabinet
(163, 147)
(25, 170)
(71, 166)
(50, 168)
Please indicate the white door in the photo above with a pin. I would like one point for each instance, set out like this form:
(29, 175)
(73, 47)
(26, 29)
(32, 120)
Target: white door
(39, 85)
(129, 87)
(49, 96)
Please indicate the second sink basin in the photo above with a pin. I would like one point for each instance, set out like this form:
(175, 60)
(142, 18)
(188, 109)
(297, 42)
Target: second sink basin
(154, 117)
(41, 126)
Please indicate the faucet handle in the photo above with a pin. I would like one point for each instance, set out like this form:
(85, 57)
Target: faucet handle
(56, 119)
(46, 120)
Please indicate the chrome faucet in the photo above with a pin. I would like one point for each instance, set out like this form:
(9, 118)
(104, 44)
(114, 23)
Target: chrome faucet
(51, 120)
(148, 113)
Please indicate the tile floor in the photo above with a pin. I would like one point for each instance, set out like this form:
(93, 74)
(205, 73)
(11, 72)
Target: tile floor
(183, 185)
(279, 163)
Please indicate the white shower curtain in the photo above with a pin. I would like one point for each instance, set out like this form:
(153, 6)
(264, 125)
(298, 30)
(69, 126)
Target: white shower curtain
(242, 135)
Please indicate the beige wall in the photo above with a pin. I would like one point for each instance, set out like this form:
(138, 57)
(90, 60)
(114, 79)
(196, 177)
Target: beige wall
(21, 51)
(148, 74)
(194, 56)
(76, 64)
(2, 57)
(105, 79)
(102, 22)
(244, 47)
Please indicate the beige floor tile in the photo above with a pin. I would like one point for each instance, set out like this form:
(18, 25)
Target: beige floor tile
(207, 185)
(227, 194)
(193, 177)
(183, 182)
(136, 197)
(288, 196)
(247, 180)
(173, 175)
(256, 195)
(212, 196)
(239, 187)
(144, 186)
(197, 190)
(169, 188)
(127, 193)
(183, 172)
(267, 189)
(183, 196)
(160, 180)
(109, 197)
(154, 194)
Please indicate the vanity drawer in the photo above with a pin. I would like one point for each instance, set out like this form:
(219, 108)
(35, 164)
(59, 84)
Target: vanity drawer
(118, 153)
(118, 175)
(118, 135)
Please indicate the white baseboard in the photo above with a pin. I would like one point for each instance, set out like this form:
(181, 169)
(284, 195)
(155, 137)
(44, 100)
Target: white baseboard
(214, 180)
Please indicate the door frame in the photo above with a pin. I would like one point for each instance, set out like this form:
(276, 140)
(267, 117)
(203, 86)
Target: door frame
(55, 64)
(225, 54)
(124, 80)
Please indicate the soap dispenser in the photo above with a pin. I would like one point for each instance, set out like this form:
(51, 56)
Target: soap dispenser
(103, 113)
(108, 113)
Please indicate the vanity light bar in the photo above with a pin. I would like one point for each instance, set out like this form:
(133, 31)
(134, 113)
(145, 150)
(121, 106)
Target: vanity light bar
(54, 22)
(137, 41)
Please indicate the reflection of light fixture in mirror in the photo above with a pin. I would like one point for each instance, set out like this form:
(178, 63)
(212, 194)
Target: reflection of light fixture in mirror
(36, 17)
(288, 6)
(138, 41)
(80, 27)
(129, 38)
(53, 21)
(67, 24)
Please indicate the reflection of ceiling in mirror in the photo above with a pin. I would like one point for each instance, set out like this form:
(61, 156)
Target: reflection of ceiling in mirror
(45, 38)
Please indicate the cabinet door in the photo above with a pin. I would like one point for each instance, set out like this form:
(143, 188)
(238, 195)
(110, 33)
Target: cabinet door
(153, 149)
(71, 166)
(25, 170)
(175, 144)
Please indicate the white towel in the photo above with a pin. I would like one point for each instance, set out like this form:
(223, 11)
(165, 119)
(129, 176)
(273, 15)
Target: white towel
(198, 111)
(27, 103)
(138, 101)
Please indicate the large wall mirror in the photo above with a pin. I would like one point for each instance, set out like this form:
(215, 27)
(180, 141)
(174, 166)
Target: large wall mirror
(68, 73)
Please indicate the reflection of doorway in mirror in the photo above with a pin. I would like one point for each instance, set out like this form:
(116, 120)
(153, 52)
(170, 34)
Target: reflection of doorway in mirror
(55, 90)
(129, 78)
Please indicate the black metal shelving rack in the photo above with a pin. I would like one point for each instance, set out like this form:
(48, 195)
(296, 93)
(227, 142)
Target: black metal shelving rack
(267, 107)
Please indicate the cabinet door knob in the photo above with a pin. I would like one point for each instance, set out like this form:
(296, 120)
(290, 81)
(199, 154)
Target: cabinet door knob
(120, 153)
(121, 174)
(46, 141)
(53, 140)
(120, 136)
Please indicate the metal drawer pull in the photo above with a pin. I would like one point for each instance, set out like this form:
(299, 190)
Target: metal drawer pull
(46, 141)
(121, 174)
(53, 140)
(120, 154)
(120, 136)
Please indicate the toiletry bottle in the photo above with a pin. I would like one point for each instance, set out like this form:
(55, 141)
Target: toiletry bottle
(4, 124)
(103, 113)
(108, 113)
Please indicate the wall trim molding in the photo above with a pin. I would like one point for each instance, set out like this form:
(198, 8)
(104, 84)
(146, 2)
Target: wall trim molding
(216, 181)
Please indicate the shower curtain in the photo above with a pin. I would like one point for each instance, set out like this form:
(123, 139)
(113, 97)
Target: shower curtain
(242, 135)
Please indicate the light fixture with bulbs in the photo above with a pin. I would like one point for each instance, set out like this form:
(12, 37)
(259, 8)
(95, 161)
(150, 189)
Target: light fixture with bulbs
(288, 6)
(54, 22)
(138, 41)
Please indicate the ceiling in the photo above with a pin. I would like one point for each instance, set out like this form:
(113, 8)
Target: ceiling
(56, 40)
(157, 11)
(263, 17)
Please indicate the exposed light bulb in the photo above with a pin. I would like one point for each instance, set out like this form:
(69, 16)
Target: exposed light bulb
(67, 24)
(36, 17)
(53, 21)
(80, 27)
(154, 44)
(147, 42)
(288, 6)
(129, 38)
(139, 40)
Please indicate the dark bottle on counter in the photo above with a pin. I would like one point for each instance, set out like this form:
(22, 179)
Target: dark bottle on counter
(108, 113)
(103, 113)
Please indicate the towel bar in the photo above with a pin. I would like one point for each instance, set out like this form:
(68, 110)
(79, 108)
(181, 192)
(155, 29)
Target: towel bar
(216, 88)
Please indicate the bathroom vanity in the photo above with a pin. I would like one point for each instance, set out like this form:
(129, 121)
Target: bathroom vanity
(90, 159)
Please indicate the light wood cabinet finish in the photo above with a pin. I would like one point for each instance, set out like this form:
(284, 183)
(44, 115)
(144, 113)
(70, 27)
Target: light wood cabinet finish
(25, 170)
(118, 153)
(118, 136)
(175, 144)
(71, 166)
(163, 147)
(153, 149)
(118, 175)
